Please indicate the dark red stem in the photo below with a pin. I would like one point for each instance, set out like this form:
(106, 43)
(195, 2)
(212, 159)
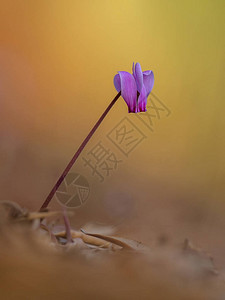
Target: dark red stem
(76, 155)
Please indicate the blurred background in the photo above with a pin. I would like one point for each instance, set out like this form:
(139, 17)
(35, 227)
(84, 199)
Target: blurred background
(57, 63)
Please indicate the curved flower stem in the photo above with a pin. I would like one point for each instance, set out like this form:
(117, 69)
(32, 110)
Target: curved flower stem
(76, 155)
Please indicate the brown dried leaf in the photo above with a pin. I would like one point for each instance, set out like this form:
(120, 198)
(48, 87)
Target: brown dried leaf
(100, 229)
(87, 239)
(123, 243)
(39, 215)
(13, 210)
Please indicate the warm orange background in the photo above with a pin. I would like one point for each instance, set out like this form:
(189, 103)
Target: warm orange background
(57, 62)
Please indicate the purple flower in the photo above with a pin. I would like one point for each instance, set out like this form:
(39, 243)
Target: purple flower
(135, 88)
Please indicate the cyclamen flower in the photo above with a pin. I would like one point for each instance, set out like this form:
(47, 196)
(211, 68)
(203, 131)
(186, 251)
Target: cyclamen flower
(135, 88)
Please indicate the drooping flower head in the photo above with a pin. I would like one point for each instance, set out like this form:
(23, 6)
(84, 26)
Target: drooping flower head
(135, 88)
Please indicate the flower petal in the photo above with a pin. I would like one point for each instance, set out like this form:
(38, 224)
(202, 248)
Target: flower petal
(148, 79)
(117, 84)
(142, 100)
(138, 75)
(128, 90)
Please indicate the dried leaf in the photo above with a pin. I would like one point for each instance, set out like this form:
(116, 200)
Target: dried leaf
(87, 239)
(123, 243)
(13, 209)
(39, 215)
(100, 229)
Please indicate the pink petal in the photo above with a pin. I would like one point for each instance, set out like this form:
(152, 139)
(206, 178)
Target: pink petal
(128, 90)
(117, 84)
(148, 79)
(142, 100)
(138, 75)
